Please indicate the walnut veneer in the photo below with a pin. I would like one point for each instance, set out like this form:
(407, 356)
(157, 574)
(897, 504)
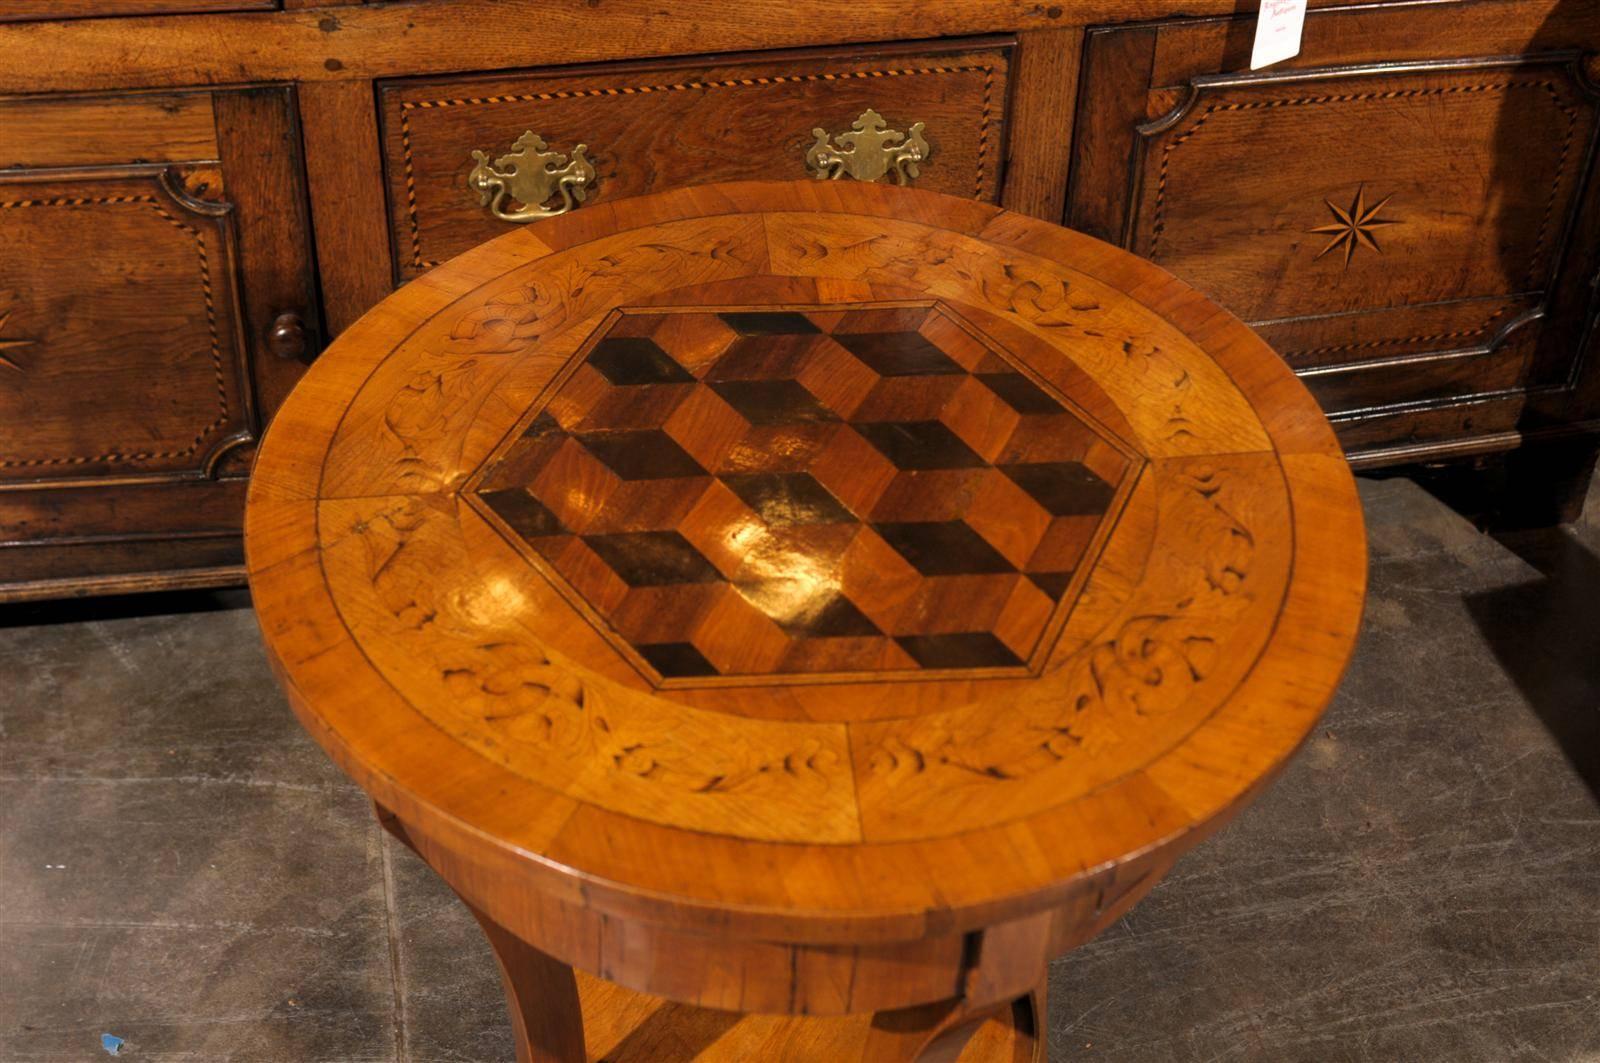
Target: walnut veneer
(1407, 210)
(802, 599)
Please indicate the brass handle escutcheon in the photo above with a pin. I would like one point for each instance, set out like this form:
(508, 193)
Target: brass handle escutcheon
(868, 151)
(531, 175)
(286, 337)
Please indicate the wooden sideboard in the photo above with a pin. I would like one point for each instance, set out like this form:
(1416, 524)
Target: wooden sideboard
(196, 194)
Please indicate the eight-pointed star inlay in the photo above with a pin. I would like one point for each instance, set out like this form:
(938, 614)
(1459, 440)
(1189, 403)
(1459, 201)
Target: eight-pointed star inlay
(780, 492)
(6, 344)
(1354, 225)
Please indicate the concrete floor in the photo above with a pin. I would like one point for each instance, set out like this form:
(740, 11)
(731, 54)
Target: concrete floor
(182, 868)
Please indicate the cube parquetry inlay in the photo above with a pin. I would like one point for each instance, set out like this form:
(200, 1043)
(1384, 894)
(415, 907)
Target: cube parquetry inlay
(772, 493)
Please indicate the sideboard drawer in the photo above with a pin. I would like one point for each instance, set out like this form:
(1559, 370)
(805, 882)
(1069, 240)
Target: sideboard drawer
(1400, 210)
(652, 126)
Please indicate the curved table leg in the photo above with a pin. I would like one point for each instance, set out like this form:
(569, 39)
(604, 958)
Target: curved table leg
(932, 1033)
(541, 991)
(542, 994)
(937, 1033)
(547, 1016)
(1033, 1011)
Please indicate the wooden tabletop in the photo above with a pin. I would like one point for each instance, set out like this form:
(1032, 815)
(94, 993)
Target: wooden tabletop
(820, 562)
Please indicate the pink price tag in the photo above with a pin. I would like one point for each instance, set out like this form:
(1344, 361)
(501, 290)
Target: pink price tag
(1277, 32)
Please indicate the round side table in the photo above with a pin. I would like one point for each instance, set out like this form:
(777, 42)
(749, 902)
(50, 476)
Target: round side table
(789, 615)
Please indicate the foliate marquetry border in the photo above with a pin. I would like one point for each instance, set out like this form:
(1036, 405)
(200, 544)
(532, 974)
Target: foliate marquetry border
(986, 119)
(1158, 224)
(207, 288)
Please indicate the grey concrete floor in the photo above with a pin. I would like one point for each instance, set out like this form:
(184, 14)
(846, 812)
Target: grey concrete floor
(182, 868)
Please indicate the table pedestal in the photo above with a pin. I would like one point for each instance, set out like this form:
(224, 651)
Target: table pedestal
(622, 1026)
(563, 1015)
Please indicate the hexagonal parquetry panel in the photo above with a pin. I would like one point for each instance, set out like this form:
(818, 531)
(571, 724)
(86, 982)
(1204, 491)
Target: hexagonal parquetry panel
(769, 493)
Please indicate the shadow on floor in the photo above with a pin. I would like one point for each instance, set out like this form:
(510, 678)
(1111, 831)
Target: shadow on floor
(120, 607)
(1546, 636)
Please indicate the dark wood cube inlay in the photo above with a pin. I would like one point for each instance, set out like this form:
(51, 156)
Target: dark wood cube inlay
(764, 493)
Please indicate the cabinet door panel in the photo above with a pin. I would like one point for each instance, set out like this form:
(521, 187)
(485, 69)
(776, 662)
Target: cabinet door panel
(1369, 200)
(147, 242)
(120, 350)
(1405, 233)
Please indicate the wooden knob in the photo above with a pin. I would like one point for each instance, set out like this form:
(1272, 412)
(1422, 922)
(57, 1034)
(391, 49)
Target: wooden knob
(287, 336)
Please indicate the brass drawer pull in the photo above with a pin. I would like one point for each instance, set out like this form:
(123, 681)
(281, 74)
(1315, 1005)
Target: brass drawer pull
(868, 152)
(532, 176)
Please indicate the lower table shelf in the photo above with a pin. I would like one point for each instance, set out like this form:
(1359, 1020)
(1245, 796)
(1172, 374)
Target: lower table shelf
(622, 1026)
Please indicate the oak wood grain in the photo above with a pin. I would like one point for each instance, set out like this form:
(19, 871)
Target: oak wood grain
(1044, 96)
(341, 41)
(79, 131)
(27, 10)
(384, 40)
(259, 145)
(340, 124)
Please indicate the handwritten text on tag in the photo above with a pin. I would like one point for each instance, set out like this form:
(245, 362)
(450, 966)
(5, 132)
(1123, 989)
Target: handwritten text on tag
(1277, 32)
